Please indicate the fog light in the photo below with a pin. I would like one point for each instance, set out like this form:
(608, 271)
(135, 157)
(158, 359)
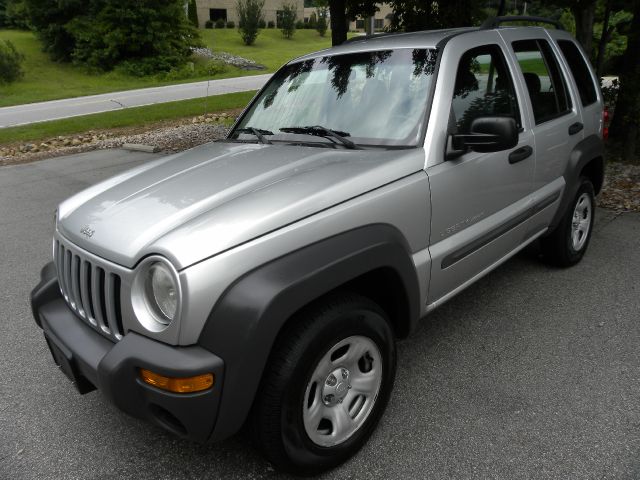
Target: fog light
(178, 385)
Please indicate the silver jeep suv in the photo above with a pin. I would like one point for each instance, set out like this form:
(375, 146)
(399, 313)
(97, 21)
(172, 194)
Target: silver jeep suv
(264, 279)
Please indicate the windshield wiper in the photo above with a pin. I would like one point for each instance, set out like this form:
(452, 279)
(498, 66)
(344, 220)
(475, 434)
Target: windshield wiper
(320, 131)
(259, 134)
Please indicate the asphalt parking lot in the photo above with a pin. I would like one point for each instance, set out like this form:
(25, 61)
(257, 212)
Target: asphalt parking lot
(533, 372)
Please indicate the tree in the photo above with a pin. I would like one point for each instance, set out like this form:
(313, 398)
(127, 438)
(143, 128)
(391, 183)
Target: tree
(10, 62)
(3, 13)
(322, 9)
(342, 11)
(142, 37)
(584, 12)
(50, 17)
(288, 15)
(250, 17)
(415, 15)
(610, 40)
(15, 14)
(192, 13)
(626, 120)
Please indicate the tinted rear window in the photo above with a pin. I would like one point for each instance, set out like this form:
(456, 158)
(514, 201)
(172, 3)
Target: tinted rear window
(545, 83)
(580, 72)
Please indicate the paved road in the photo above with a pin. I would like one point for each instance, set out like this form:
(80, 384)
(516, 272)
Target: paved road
(73, 107)
(531, 373)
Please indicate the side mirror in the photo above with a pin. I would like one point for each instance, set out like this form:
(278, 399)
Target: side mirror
(488, 134)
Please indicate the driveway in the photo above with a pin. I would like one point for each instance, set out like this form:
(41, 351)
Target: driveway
(73, 107)
(533, 372)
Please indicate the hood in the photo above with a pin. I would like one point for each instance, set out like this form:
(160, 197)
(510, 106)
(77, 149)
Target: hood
(221, 194)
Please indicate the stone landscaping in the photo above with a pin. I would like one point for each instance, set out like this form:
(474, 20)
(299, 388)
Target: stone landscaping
(228, 59)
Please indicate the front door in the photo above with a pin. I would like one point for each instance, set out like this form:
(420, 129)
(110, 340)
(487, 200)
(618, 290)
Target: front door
(480, 204)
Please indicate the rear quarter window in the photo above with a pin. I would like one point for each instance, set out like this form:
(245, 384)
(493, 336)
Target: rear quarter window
(580, 72)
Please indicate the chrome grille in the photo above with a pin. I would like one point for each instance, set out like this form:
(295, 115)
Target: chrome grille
(91, 291)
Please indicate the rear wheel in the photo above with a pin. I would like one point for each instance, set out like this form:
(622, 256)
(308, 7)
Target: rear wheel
(326, 385)
(567, 244)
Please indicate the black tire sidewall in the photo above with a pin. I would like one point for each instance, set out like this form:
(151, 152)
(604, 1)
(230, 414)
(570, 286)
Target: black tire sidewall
(359, 319)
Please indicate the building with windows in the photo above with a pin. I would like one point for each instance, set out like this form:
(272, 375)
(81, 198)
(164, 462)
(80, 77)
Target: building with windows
(381, 20)
(226, 10)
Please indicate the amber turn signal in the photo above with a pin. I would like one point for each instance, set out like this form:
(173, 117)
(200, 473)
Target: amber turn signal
(178, 385)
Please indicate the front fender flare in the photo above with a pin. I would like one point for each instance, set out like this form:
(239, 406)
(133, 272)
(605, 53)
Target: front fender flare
(245, 321)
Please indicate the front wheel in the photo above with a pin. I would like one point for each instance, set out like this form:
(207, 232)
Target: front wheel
(326, 385)
(567, 244)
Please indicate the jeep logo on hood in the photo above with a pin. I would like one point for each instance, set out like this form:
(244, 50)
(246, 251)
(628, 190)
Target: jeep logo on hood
(87, 231)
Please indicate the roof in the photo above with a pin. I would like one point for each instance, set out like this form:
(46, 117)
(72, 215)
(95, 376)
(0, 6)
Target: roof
(426, 39)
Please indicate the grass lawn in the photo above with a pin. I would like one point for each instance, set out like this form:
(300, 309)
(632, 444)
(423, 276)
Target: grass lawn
(270, 49)
(137, 116)
(47, 80)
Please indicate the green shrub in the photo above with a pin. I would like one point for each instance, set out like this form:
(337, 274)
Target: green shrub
(250, 14)
(231, 25)
(271, 24)
(220, 23)
(288, 14)
(321, 22)
(300, 25)
(10, 62)
(262, 24)
(208, 24)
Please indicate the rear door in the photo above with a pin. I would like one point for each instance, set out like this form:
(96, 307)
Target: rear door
(558, 123)
(585, 82)
(479, 200)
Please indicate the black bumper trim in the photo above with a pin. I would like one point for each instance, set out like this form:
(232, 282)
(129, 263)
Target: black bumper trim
(114, 367)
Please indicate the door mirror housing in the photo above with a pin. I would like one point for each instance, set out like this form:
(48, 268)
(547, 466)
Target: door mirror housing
(488, 134)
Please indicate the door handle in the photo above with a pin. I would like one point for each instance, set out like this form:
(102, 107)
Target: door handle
(575, 128)
(520, 154)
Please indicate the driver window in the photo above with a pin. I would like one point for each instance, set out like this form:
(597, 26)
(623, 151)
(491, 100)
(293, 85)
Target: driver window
(483, 87)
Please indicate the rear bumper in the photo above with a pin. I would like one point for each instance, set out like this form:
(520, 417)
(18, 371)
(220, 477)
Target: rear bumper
(93, 361)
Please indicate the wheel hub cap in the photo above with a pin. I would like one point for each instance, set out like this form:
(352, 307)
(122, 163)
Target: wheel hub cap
(342, 391)
(581, 222)
(336, 387)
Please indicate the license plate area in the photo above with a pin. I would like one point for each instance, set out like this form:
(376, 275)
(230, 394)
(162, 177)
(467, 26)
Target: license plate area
(64, 359)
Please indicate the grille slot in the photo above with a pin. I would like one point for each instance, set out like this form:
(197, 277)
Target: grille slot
(90, 290)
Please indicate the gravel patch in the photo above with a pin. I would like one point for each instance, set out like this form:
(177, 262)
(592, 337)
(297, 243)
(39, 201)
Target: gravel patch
(168, 137)
(228, 59)
(621, 189)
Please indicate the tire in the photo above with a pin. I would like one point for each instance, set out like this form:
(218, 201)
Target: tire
(567, 244)
(296, 423)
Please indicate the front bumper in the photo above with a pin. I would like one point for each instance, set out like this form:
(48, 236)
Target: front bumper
(92, 361)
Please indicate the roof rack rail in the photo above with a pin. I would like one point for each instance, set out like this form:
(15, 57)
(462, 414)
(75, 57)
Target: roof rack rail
(494, 22)
(360, 38)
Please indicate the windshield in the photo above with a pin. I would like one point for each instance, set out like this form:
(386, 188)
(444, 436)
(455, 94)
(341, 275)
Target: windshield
(371, 98)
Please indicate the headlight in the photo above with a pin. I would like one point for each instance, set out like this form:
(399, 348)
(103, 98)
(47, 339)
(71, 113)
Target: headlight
(162, 292)
(156, 294)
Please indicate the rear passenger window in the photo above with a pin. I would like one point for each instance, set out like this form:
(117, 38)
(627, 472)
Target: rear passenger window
(580, 71)
(545, 83)
(483, 87)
